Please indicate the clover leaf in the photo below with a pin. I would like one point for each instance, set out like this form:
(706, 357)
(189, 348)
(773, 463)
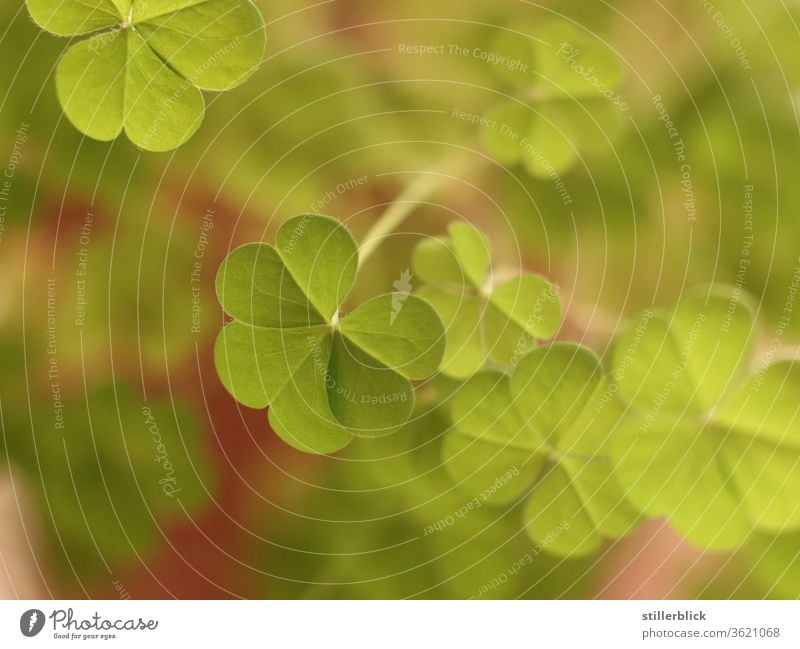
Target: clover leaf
(324, 379)
(714, 450)
(484, 322)
(562, 99)
(543, 431)
(145, 62)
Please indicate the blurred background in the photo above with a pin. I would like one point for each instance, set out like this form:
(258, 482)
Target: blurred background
(128, 471)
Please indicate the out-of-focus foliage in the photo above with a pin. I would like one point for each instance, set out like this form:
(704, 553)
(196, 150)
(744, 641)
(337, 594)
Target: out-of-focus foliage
(486, 318)
(111, 471)
(694, 185)
(544, 431)
(715, 451)
(384, 521)
(563, 100)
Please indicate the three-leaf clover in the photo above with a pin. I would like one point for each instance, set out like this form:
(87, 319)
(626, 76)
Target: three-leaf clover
(563, 99)
(484, 322)
(324, 379)
(145, 62)
(715, 451)
(543, 430)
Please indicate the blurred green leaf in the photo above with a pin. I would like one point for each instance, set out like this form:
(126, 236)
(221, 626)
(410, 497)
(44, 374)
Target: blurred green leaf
(715, 453)
(574, 62)
(385, 522)
(565, 104)
(483, 322)
(544, 430)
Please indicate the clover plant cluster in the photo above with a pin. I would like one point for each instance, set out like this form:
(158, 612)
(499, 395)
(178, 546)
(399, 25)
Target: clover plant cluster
(683, 426)
(143, 63)
(680, 428)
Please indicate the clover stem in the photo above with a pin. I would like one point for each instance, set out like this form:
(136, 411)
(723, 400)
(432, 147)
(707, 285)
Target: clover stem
(129, 22)
(416, 192)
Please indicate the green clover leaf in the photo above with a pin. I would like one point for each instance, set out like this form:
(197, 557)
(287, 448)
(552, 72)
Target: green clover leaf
(564, 99)
(324, 379)
(543, 430)
(715, 451)
(145, 62)
(483, 322)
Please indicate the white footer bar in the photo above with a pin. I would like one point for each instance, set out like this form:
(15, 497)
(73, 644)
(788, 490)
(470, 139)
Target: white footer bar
(401, 624)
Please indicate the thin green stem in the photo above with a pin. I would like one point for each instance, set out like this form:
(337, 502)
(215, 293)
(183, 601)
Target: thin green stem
(419, 190)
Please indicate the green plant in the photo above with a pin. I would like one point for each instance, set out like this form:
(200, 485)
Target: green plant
(675, 431)
(542, 432)
(485, 319)
(684, 428)
(324, 377)
(562, 99)
(716, 448)
(144, 63)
